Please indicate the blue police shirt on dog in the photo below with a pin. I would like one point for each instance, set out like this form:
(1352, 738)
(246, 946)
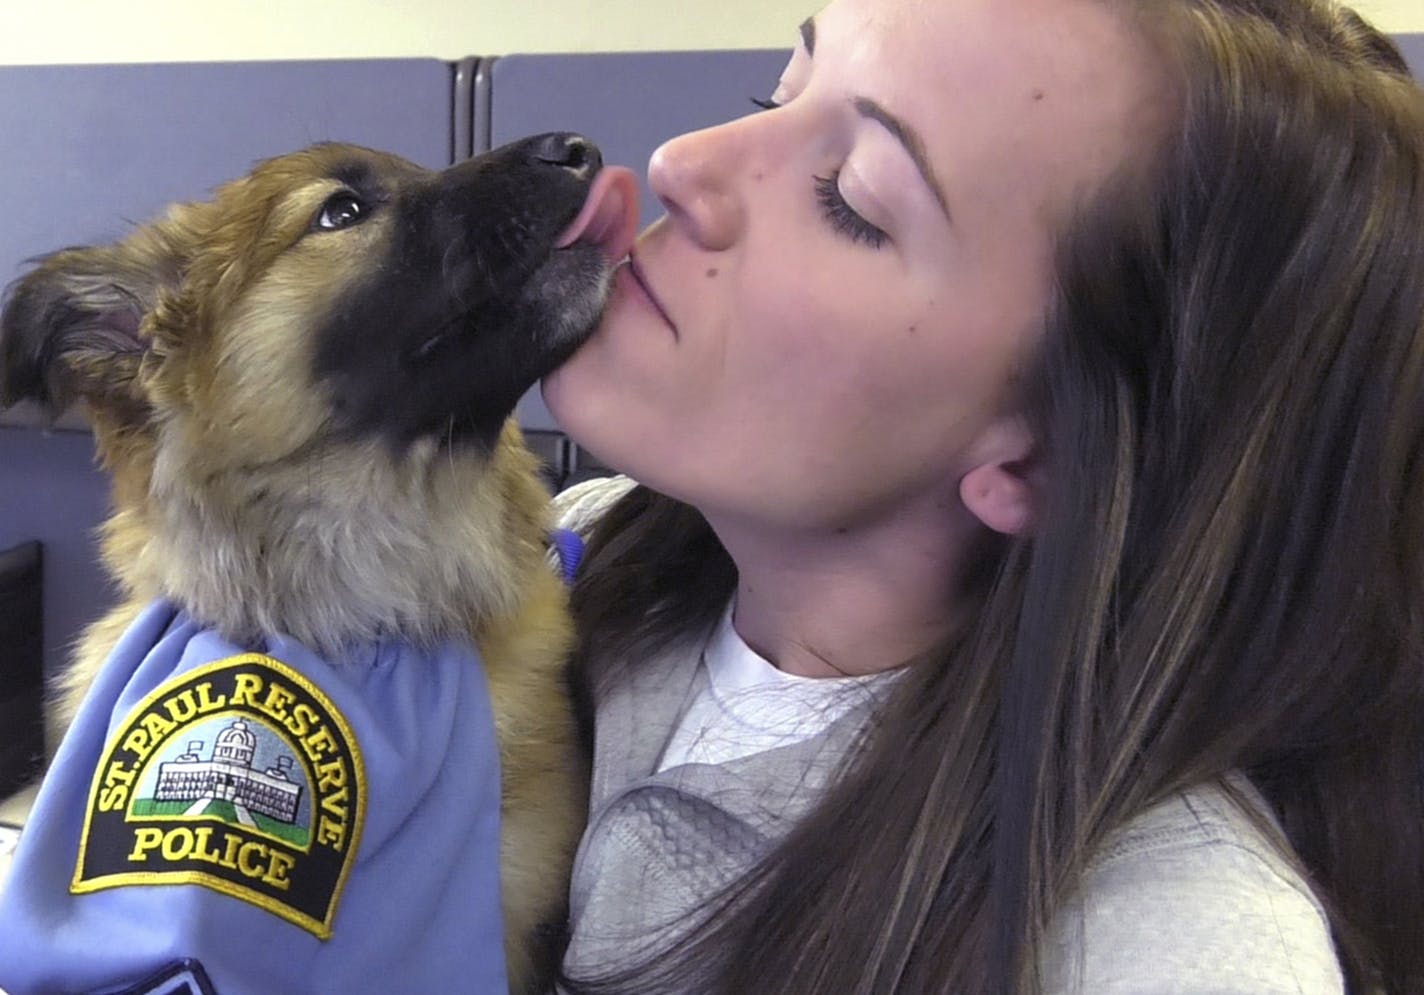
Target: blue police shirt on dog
(287, 822)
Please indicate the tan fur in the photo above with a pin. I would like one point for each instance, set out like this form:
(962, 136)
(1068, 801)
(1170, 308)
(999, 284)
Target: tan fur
(233, 495)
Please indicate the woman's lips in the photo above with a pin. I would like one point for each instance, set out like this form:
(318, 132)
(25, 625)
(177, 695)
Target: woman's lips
(609, 220)
(635, 271)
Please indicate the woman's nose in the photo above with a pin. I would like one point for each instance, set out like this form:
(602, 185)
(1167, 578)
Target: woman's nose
(696, 178)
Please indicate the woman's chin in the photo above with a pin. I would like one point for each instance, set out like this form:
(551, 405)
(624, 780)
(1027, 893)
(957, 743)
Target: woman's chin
(573, 396)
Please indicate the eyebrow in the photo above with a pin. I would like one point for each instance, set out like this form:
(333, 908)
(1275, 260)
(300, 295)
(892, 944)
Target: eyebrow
(908, 137)
(910, 140)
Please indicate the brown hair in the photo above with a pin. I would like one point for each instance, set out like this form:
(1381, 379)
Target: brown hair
(1229, 575)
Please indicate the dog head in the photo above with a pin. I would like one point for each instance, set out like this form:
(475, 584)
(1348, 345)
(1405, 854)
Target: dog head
(302, 386)
(333, 292)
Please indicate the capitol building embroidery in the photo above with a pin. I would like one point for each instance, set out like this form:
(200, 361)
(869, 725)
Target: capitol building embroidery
(228, 775)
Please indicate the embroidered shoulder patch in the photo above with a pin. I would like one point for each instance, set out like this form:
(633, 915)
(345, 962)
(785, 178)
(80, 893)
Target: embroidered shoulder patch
(240, 776)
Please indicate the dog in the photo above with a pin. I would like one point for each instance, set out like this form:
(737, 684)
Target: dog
(302, 391)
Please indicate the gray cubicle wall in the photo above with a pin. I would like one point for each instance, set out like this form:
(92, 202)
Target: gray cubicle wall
(89, 150)
(629, 103)
(1412, 45)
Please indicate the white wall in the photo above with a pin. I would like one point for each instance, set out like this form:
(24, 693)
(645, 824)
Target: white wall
(40, 31)
(60, 31)
(1394, 15)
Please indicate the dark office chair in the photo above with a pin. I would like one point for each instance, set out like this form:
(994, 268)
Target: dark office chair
(21, 666)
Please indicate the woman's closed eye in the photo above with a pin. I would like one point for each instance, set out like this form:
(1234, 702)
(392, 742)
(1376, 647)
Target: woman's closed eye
(842, 217)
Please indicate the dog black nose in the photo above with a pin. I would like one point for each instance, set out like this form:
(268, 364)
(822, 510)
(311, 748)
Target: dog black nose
(573, 152)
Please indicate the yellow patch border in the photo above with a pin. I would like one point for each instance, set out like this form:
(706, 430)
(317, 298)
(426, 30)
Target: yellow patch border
(319, 928)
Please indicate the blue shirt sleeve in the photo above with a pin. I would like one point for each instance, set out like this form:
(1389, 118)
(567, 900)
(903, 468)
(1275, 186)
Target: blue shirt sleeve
(289, 822)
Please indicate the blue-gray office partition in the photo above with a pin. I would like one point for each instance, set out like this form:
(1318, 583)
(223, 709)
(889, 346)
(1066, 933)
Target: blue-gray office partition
(1412, 45)
(50, 491)
(629, 103)
(91, 150)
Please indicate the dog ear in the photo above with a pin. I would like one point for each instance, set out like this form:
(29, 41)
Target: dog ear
(71, 328)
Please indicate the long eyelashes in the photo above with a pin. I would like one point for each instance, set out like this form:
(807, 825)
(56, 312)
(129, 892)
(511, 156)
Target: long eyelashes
(842, 216)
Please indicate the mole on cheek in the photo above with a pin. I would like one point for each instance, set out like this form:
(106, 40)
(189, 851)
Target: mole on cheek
(712, 272)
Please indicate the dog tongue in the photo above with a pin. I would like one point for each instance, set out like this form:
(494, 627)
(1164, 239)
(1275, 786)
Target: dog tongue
(609, 216)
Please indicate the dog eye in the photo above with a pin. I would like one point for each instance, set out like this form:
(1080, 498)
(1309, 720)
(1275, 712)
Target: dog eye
(341, 210)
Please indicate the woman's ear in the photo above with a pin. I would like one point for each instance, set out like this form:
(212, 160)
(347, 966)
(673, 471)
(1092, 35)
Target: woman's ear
(1002, 489)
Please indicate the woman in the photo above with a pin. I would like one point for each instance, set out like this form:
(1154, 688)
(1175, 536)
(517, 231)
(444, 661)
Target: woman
(1032, 393)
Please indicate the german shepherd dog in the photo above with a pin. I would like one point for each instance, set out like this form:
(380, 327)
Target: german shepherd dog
(302, 389)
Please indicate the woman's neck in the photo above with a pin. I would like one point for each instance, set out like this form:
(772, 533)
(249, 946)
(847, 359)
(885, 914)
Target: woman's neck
(836, 604)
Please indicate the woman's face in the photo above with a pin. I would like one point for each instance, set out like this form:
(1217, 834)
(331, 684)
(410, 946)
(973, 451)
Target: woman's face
(829, 320)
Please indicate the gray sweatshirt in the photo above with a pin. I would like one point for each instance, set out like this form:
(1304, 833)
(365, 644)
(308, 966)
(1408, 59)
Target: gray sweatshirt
(1190, 898)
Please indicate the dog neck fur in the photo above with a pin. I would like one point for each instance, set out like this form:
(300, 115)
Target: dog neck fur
(345, 545)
